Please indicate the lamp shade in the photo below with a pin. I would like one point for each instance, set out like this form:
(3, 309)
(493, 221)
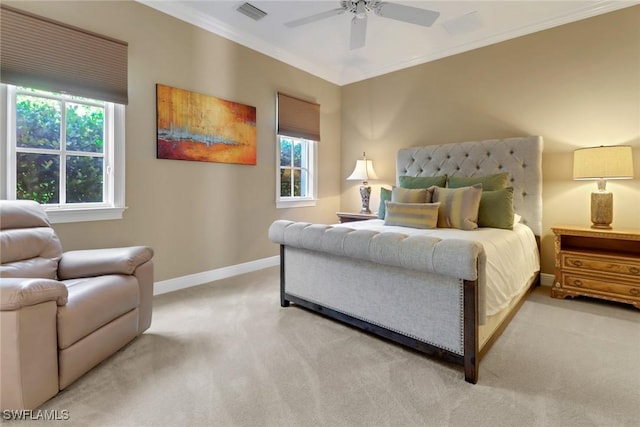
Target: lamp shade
(363, 171)
(611, 162)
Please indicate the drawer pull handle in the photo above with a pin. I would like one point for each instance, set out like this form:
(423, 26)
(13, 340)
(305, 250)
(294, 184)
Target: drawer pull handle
(635, 292)
(577, 263)
(577, 282)
(634, 270)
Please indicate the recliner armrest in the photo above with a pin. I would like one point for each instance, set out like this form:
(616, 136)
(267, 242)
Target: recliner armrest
(99, 262)
(18, 292)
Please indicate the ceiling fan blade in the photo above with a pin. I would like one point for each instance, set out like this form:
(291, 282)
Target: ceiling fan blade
(358, 32)
(413, 15)
(313, 18)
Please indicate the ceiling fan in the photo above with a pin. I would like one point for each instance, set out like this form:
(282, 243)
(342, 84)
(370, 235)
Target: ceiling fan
(360, 8)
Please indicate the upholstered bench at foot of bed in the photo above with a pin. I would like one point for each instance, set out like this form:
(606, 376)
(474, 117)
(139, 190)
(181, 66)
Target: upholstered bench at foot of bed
(452, 257)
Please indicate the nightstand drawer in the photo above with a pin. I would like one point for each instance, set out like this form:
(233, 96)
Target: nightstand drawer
(605, 264)
(576, 282)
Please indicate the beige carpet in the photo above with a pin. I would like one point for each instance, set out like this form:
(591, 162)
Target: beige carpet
(227, 354)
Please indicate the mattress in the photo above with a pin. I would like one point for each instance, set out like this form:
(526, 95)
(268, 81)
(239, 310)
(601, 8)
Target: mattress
(512, 256)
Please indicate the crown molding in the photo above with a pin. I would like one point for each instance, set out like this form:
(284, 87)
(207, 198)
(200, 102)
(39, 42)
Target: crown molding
(218, 27)
(598, 8)
(348, 76)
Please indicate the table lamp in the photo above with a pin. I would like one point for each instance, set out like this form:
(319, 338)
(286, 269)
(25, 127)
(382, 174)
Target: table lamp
(364, 172)
(602, 163)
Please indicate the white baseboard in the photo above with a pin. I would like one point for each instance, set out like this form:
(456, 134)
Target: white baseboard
(196, 279)
(546, 279)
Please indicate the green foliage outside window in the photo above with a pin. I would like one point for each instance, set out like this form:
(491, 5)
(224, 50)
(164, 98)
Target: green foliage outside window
(38, 126)
(290, 163)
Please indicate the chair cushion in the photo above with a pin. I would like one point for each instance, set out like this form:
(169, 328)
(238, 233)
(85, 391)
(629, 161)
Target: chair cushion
(29, 252)
(92, 303)
(22, 214)
(18, 292)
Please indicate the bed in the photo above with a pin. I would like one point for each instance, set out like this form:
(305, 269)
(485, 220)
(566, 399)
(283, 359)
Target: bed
(446, 292)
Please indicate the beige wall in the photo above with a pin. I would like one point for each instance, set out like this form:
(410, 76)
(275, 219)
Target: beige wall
(577, 85)
(198, 216)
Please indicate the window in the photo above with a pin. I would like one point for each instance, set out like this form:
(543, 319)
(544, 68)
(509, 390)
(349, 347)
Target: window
(298, 136)
(296, 178)
(65, 152)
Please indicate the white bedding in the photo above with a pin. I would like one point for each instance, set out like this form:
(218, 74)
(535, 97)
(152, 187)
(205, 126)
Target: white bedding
(512, 256)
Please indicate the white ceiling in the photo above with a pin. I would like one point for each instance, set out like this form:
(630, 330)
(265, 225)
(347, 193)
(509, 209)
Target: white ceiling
(322, 47)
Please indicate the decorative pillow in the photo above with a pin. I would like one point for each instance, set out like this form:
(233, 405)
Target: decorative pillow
(458, 206)
(414, 215)
(496, 209)
(494, 182)
(406, 195)
(385, 195)
(422, 181)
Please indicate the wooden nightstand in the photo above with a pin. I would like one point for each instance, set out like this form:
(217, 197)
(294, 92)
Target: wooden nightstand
(350, 216)
(597, 263)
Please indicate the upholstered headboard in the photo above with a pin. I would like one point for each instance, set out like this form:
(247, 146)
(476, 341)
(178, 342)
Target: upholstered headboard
(521, 157)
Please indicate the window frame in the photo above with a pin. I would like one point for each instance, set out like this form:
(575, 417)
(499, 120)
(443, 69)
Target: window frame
(113, 205)
(311, 148)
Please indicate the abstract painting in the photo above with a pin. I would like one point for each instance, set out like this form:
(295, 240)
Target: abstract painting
(197, 127)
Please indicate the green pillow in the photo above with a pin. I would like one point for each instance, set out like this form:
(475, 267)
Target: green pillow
(385, 195)
(496, 209)
(458, 206)
(422, 181)
(497, 181)
(411, 195)
(414, 215)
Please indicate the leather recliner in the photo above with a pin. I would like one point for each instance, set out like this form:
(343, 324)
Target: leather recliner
(62, 313)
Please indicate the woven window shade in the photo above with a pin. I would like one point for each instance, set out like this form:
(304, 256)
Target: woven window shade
(298, 118)
(43, 54)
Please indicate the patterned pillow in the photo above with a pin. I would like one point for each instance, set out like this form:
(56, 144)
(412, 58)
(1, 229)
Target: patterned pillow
(406, 195)
(422, 181)
(414, 215)
(496, 209)
(493, 182)
(458, 206)
(385, 195)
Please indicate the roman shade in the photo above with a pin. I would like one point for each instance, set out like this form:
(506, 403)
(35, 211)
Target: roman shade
(40, 53)
(298, 118)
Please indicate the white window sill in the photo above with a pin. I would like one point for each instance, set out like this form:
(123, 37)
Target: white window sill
(304, 203)
(58, 216)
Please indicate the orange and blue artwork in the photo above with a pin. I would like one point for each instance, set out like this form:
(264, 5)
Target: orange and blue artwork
(197, 127)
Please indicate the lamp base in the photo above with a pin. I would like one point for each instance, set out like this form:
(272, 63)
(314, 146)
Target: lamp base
(365, 192)
(602, 210)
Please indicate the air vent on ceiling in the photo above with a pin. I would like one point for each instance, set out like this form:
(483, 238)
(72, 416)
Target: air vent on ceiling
(251, 11)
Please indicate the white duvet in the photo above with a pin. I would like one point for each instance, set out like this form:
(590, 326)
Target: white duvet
(512, 256)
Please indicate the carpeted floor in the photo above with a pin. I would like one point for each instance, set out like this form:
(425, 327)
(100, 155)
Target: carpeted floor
(227, 354)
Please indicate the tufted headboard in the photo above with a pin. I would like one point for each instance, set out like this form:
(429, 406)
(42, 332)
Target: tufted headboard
(521, 157)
